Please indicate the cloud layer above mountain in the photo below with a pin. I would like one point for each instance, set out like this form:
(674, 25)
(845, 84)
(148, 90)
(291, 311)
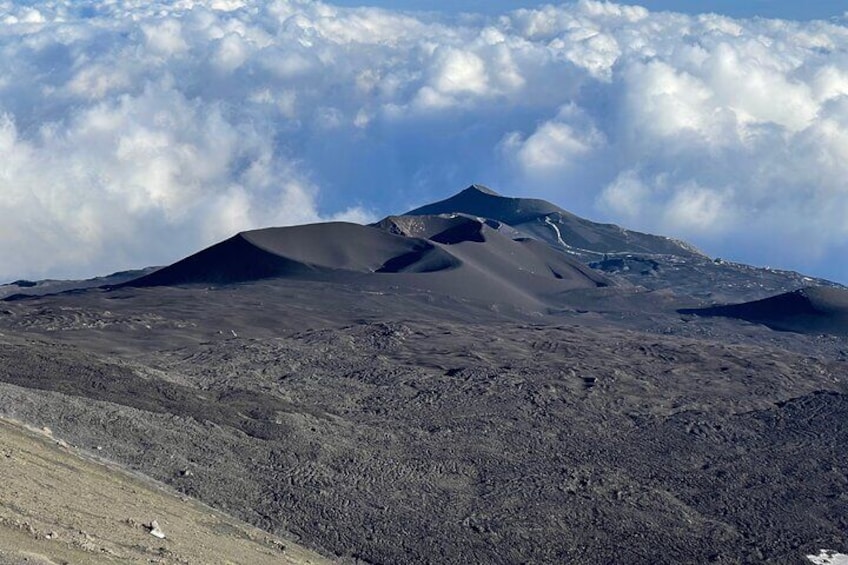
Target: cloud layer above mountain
(133, 133)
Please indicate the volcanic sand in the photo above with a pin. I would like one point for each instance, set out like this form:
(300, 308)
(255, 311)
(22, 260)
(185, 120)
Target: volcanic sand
(59, 505)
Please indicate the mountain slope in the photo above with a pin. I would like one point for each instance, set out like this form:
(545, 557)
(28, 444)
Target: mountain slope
(52, 511)
(386, 430)
(295, 251)
(543, 220)
(503, 249)
(459, 257)
(628, 257)
(808, 310)
(53, 286)
(495, 268)
(474, 245)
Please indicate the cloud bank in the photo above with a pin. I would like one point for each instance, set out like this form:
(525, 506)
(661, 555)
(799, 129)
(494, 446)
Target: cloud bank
(133, 133)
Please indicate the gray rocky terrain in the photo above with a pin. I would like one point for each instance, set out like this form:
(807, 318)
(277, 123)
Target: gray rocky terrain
(485, 380)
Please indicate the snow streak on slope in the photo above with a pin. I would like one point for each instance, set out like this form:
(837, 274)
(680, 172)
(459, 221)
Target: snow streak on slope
(829, 557)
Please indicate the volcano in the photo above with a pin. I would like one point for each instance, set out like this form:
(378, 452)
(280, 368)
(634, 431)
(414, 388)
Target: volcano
(484, 379)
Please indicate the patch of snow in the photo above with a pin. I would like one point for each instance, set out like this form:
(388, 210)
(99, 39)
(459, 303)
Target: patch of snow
(568, 248)
(829, 557)
(556, 230)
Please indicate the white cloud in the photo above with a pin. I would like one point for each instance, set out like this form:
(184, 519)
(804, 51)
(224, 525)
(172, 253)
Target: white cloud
(556, 145)
(136, 132)
(594, 51)
(460, 71)
(686, 208)
(661, 102)
(553, 145)
(695, 209)
(628, 197)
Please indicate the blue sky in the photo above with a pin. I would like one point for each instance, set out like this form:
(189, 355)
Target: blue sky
(134, 134)
(791, 9)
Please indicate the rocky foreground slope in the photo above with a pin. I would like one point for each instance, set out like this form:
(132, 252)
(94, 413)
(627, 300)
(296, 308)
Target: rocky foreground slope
(61, 505)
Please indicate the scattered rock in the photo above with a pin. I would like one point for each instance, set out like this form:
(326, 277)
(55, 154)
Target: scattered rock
(278, 544)
(155, 530)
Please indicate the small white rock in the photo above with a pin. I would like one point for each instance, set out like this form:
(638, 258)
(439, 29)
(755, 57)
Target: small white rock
(155, 531)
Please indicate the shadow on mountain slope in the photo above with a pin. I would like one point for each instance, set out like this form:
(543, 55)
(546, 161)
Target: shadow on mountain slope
(813, 310)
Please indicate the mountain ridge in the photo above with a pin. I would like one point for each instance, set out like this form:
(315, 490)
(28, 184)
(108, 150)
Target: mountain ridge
(456, 256)
(544, 220)
(806, 310)
(475, 244)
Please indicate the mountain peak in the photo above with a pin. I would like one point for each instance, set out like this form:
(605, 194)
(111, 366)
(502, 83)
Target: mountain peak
(545, 221)
(481, 201)
(481, 188)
